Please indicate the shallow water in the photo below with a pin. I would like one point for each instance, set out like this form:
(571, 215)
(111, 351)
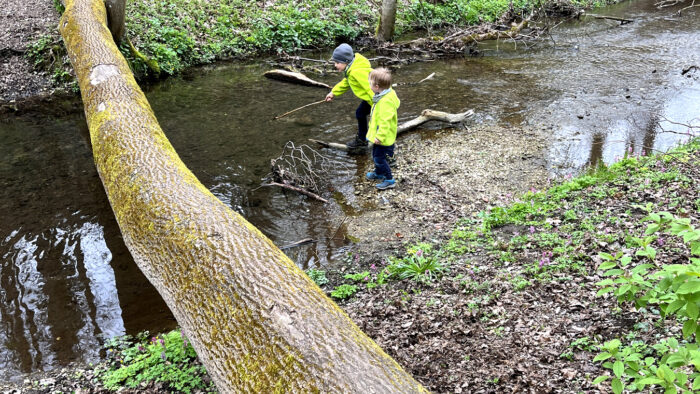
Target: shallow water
(67, 278)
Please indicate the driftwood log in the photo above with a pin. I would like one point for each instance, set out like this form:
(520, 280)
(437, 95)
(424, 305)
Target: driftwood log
(292, 77)
(425, 116)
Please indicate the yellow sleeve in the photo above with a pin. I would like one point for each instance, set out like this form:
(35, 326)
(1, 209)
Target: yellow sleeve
(341, 87)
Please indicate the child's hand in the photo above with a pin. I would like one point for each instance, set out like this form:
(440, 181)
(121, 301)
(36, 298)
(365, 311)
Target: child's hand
(329, 97)
(376, 141)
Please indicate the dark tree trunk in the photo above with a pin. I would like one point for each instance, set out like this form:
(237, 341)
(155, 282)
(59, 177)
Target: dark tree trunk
(116, 11)
(387, 19)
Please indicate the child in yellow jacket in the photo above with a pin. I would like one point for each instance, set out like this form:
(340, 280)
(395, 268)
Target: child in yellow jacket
(383, 125)
(356, 69)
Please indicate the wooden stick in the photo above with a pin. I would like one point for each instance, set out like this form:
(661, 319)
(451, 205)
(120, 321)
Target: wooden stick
(427, 78)
(298, 243)
(297, 189)
(297, 109)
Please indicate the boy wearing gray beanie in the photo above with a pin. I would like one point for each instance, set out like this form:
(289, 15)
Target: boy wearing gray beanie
(356, 69)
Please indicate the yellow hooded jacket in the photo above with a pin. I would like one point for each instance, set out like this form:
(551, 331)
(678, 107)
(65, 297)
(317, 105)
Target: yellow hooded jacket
(384, 119)
(357, 79)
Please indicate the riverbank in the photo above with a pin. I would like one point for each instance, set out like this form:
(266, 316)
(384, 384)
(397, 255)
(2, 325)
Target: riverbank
(508, 299)
(185, 33)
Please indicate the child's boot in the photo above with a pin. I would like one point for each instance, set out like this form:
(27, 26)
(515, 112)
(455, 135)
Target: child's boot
(374, 176)
(386, 184)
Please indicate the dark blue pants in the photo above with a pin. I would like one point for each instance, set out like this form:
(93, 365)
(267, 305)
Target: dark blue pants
(361, 114)
(381, 165)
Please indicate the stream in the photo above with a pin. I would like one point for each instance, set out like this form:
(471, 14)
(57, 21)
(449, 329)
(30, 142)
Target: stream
(68, 281)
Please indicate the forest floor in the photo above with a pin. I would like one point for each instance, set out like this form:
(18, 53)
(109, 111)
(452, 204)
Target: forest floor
(514, 307)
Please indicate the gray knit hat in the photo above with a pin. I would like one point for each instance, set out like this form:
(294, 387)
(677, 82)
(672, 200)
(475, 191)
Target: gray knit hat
(343, 54)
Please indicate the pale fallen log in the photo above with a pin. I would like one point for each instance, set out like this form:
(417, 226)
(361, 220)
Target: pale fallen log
(297, 189)
(292, 77)
(622, 21)
(425, 116)
(429, 114)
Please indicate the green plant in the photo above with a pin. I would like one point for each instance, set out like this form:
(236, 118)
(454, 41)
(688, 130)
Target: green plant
(344, 291)
(417, 265)
(167, 358)
(318, 276)
(360, 276)
(637, 365)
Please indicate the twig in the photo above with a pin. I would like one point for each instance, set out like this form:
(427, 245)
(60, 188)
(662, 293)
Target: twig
(687, 70)
(298, 190)
(427, 78)
(339, 226)
(298, 243)
(297, 109)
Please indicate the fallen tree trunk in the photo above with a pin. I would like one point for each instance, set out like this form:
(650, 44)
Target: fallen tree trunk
(257, 322)
(292, 77)
(425, 116)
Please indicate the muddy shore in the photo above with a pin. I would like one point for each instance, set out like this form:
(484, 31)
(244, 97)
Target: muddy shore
(21, 22)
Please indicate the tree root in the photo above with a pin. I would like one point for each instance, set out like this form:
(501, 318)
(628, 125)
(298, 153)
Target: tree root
(152, 64)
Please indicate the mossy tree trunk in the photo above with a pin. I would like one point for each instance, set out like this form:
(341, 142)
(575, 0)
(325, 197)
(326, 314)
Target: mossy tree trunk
(257, 322)
(387, 20)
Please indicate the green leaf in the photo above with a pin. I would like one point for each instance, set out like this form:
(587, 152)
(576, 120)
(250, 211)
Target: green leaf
(618, 368)
(674, 306)
(696, 384)
(604, 291)
(652, 228)
(611, 345)
(691, 308)
(602, 356)
(690, 287)
(603, 378)
(651, 380)
(666, 374)
(607, 265)
(689, 328)
(615, 272)
(623, 289)
(617, 386)
(606, 256)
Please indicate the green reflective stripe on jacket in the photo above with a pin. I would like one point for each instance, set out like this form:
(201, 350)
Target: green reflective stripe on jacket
(384, 121)
(357, 79)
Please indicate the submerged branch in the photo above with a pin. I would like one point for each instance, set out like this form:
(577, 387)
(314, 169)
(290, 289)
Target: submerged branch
(297, 189)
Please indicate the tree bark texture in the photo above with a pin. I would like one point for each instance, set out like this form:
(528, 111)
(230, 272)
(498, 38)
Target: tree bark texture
(116, 18)
(257, 322)
(387, 20)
